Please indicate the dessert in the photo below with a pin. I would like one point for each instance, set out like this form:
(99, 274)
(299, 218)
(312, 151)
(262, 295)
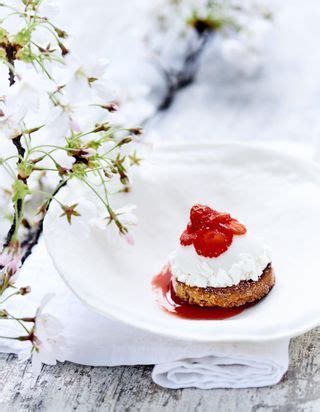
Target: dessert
(219, 263)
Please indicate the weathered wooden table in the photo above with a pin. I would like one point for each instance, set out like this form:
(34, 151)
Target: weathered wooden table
(72, 387)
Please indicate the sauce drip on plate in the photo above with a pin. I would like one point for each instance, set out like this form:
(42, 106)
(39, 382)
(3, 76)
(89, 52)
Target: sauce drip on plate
(166, 297)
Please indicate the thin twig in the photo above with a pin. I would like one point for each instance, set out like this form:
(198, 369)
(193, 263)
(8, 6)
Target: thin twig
(178, 80)
(10, 57)
(35, 233)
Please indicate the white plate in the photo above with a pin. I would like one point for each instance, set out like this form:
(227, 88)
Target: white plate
(275, 195)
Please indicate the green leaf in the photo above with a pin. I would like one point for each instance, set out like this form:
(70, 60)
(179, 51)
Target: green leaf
(25, 55)
(25, 169)
(3, 35)
(94, 144)
(23, 37)
(3, 54)
(79, 169)
(20, 190)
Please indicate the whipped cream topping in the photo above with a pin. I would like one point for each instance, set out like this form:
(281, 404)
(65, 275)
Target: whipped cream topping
(245, 259)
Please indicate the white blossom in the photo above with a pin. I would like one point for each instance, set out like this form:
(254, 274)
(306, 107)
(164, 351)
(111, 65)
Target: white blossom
(48, 340)
(48, 8)
(129, 238)
(10, 262)
(242, 28)
(14, 23)
(127, 218)
(20, 99)
(85, 76)
(66, 117)
(244, 49)
(126, 215)
(84, 80)
(45, 8)
(70, 112)
(241, 55)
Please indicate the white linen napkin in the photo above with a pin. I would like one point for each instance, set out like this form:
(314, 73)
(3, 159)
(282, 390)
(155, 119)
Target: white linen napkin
(227, 365)
(92, 339)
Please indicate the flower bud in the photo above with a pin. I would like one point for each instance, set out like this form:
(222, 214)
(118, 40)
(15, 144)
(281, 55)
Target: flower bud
(136, 130)
(3, 314)
(102, 128)
(125, 140)
(111, 107)
(64, 50)
(24, 290)
(61, 33)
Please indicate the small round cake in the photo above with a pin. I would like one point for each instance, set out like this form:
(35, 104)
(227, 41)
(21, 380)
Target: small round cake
(219, 263)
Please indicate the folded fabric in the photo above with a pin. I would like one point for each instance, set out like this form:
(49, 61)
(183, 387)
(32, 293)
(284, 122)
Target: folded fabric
(92, 339)
(228, 365)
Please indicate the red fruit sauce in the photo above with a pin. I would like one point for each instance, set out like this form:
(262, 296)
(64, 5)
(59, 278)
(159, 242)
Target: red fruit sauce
(169, 301)
(210, 232)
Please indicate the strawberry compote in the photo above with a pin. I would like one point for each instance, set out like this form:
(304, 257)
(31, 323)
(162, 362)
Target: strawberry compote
(210, 232)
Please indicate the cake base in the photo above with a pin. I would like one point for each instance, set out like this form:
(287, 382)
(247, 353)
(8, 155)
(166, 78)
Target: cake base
(247, 291)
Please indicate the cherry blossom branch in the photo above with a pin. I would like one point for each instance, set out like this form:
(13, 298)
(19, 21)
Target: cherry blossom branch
(35, 233)
(175, 81)
(20, 149)
(18, 205)
(10, 57)
(85, 148)
(195, 22)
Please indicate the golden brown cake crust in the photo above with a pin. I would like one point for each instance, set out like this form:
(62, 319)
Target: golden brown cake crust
(247, 291)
